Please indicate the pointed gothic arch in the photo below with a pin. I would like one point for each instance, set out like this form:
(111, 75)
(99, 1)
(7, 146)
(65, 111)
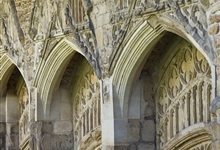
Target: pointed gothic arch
(7, 65)
(6, 68)
(14, 104)
(126, 62)
(51, 69)
(69, 94)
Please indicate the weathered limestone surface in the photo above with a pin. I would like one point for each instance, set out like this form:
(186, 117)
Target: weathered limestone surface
(2, 134)
(109, 74)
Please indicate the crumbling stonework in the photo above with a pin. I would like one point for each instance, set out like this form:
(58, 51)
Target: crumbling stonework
(109, 74)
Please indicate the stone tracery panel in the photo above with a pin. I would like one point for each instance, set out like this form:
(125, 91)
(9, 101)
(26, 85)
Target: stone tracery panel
(78, 10)
(184, 94)
(202, 146)
(87, 112)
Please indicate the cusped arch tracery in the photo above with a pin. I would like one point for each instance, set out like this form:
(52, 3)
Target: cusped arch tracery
(86, 100)
(183, 96)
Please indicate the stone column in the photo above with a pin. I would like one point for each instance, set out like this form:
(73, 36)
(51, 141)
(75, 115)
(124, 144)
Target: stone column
(38, 135)
(215, 110)
(9, 142)
(107, 114)
(33, 114)
(182, 117)
(213, 29)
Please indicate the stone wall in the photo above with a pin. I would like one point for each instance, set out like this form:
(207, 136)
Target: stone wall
(142, 132)
(12, 139)
(213, 20)
(115, 99)
(53, 137)
(2, 136)
(57, 131)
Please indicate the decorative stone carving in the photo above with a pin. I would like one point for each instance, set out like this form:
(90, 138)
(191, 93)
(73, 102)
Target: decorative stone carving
(78, 11)
(54, 22)
(202, 146)
(23, 126)
(184, 94)
(87, 107)
(88, 45)
(4, 39)
(30, 30)
(106, 93)
(24, 111)
(188, 14)
(23, 99)
(193, 19)
(10, 31)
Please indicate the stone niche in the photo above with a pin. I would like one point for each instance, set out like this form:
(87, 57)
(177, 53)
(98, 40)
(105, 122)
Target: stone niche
(75, 115)
(14, 112)
(172, 98)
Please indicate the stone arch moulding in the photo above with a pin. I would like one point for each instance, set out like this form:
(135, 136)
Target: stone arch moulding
(7, 65)
(50, 70)
(174, 27)
(125, 66)
(199, 133)
(6, 68)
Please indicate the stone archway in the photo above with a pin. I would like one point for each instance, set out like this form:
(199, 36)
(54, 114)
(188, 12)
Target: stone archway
(126, 63)
(182, 90)
(169, 103)
(15, 105)
(69, 101)
(51, 69)
(131, 85)
(86, 101)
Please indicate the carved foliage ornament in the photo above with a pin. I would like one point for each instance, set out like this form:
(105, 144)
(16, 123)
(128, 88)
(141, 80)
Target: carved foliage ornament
(88, 45)
(192, 16)
(86, 41)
